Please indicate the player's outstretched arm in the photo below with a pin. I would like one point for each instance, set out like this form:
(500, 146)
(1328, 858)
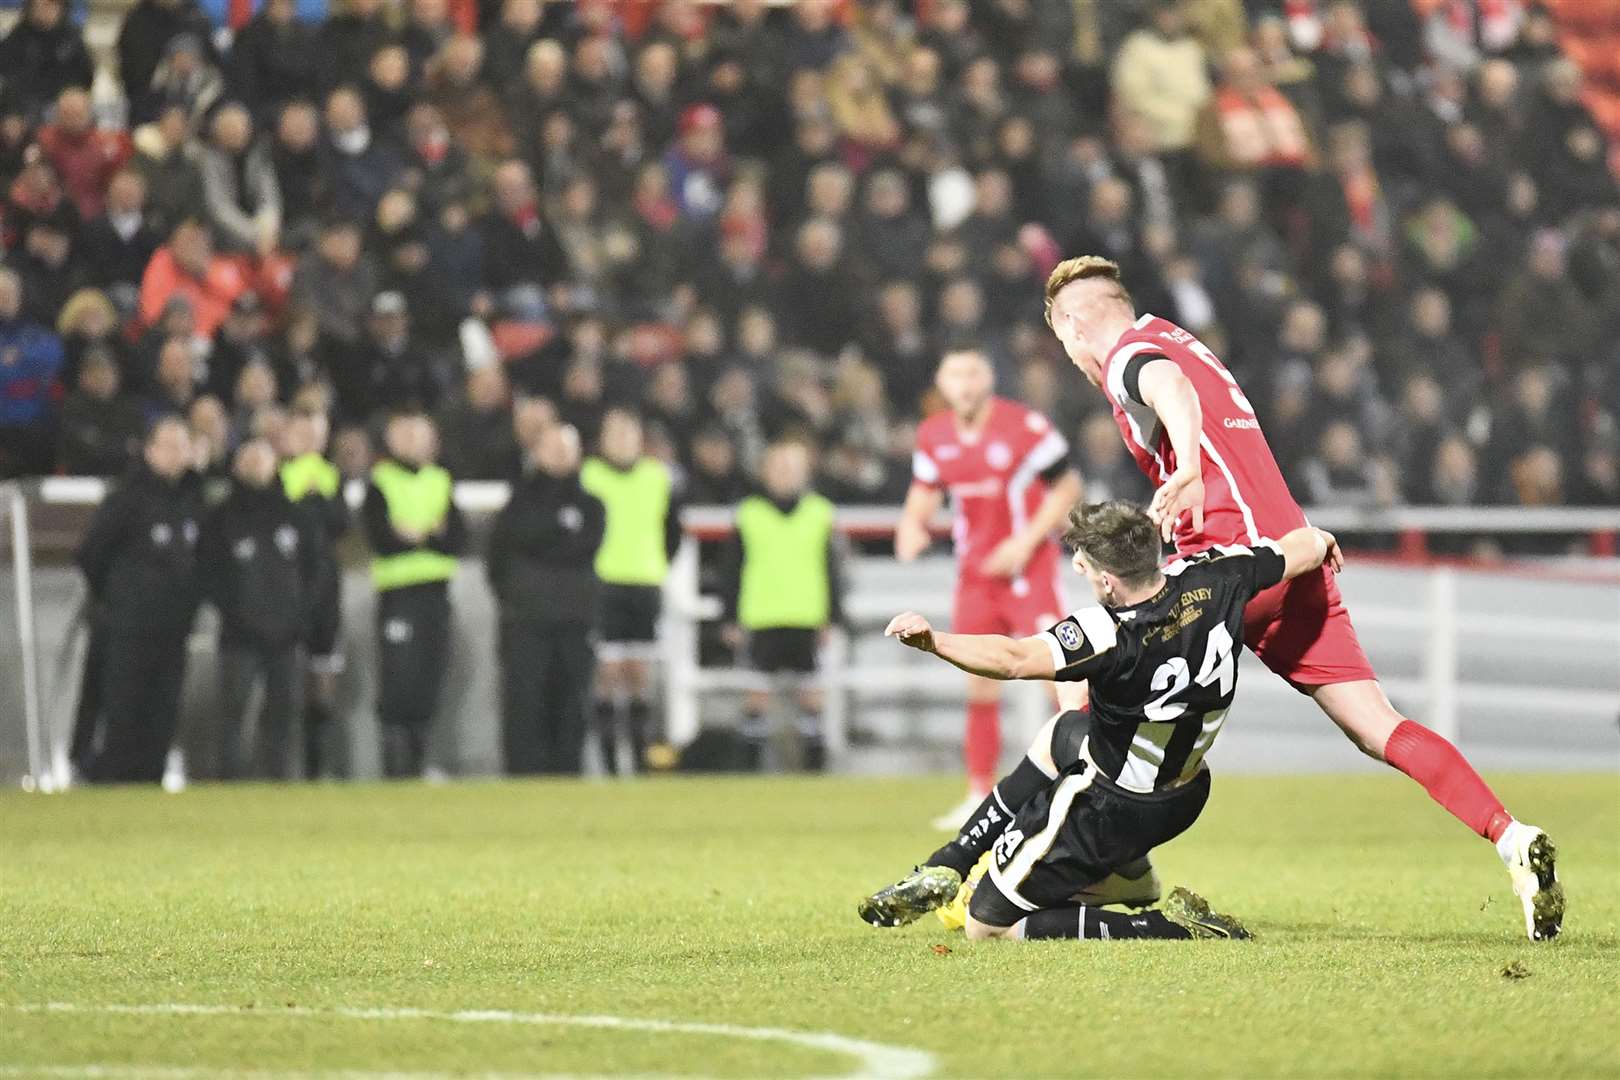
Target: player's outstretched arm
(1165, 389)
(1307, 548)
(990, 655)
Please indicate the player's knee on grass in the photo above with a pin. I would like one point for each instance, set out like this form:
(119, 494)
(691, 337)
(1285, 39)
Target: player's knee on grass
(979, 931)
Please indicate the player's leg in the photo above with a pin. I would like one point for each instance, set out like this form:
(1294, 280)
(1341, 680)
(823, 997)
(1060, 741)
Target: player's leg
(1312, 642)
(1067, 837)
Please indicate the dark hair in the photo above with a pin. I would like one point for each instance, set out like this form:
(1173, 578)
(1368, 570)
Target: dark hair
(1118, 537)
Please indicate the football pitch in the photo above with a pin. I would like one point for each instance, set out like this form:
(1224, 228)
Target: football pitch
(706, 927)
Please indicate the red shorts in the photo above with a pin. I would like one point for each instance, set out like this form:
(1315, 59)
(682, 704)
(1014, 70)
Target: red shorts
(1301, 630)
(1016, 607)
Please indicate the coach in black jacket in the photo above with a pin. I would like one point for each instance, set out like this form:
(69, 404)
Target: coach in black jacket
(139, 559)
(263, 567)
(542, 553)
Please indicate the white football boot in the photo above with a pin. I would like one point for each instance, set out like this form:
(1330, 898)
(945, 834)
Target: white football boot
(1531, 860)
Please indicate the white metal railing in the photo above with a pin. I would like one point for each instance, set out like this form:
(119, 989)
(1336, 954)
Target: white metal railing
(686, 681)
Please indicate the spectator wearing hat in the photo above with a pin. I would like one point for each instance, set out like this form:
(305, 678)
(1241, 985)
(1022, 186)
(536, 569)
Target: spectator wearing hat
(698, 166)
(84, 156)
(400, 375)
(187, 78)
(143, 41)
(188, 267)
(30, 369)
(42, 55)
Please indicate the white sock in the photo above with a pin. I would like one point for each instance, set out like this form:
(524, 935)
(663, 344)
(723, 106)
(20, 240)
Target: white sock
(1507, 845)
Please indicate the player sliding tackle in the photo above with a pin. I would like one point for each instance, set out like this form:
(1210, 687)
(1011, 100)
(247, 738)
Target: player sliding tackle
(1072, 825)
(1195, 435)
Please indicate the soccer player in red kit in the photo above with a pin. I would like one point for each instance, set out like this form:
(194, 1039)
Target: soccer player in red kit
(1195, 435)
(1007, 470)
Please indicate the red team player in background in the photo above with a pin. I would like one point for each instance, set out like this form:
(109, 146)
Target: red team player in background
(1007, 471)
(1195, 435)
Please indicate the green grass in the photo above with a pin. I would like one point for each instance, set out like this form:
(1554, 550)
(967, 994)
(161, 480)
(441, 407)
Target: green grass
(1384, 929)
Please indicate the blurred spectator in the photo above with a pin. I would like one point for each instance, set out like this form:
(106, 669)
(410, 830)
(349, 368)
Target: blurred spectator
(1429, 346)
(168, 160)
(1421, 427)
(187, 267)
(42, 55)
(360, 165)
(1542, 313)
(1160, 75)
(100, 430)
(822, 315)
(186, 79)
(1248, 125)
(542, 550)
(347, 40)
(117, 244)
(273, 59)
(143, 41)
(336, 280)
(260, 564)
(477, 429)
(1341, 473)
(84, 157)
(240, 189)
(30, 370)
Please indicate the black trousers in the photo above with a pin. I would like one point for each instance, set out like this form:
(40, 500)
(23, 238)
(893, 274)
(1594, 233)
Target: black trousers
(242, 667)
(413, 651)
(546, 671)
(87, 718)
(141, 676)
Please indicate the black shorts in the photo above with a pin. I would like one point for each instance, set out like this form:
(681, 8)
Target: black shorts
(787, 648)
(628, 613)
(1075, 833)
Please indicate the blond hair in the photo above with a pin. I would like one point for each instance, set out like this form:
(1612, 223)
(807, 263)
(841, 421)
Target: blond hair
(1080, 268)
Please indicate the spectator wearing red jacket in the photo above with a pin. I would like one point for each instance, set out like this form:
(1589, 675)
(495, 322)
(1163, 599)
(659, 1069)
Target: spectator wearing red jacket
(84, 157)
(187, 266)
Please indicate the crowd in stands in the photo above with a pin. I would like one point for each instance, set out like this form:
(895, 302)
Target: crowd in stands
(1395, 221)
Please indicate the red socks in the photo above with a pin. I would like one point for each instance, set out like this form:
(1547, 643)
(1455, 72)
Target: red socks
(1448, 778)
(981, 748)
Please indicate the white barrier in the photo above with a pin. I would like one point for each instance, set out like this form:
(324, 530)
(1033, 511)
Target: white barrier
(1439, 689)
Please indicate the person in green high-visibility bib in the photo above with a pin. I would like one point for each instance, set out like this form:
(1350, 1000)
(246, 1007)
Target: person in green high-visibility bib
(784, 590)
(643, 531)
(415, 532)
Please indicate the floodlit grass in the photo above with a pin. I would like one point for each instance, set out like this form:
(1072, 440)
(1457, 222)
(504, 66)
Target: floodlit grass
(1384, 930)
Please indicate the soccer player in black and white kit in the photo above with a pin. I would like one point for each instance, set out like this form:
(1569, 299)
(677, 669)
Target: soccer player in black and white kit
(1072, 826)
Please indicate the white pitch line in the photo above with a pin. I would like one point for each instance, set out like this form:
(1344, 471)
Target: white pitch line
(874, 1059)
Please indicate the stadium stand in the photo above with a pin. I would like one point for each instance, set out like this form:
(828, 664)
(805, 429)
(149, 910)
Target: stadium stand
(1398, 222)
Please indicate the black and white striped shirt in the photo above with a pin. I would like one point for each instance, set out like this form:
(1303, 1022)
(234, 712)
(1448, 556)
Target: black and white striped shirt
(1163, 671)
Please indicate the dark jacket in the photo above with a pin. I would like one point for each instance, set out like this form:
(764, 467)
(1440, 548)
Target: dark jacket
(139, 555)
(146, 33)
(542, 551)
(98, 438)
(262, 566)
(38, 64)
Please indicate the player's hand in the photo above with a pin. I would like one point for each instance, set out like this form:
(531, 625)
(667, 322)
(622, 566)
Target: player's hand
(1007, 558)
(411, 536)
(1334, 560)
(732, 635)
(911, 539)
(1183, 491)
(912, 629)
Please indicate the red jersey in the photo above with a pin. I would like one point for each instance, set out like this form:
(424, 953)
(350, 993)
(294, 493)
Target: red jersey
(1245, 496)
(997, 478)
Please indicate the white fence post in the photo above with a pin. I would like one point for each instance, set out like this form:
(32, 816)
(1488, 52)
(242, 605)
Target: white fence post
(22, 571)
(681, 645)
(1440, 662)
